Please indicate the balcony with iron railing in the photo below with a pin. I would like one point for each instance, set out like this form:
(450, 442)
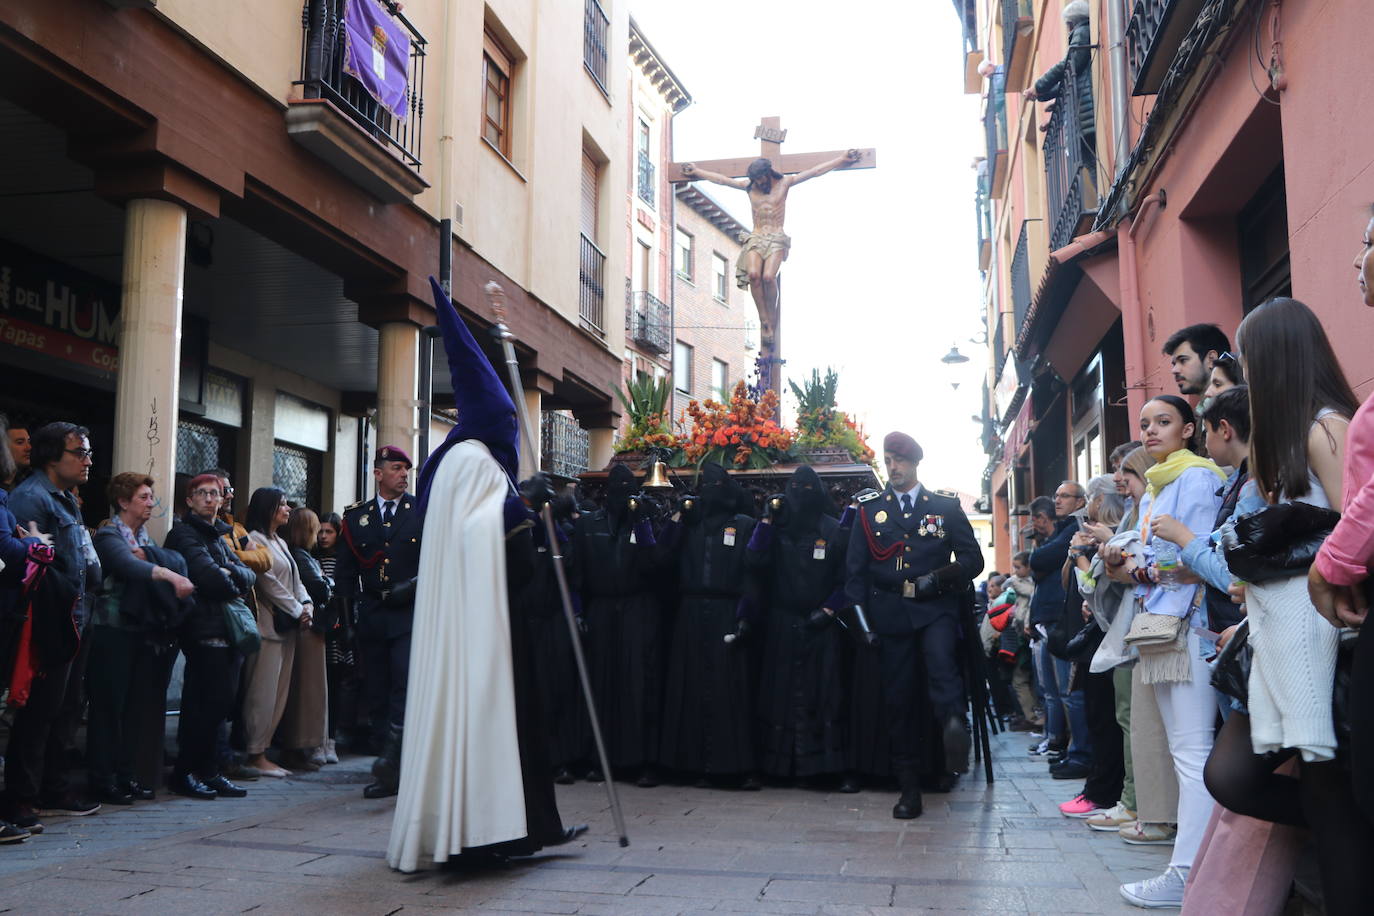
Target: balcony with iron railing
(595, 40)
(591, 298)
(564, 446)
(1154, 34)
(999, 345)
(983, 215)
(367, 124)
(995, 128)
(1017, 24)
(644, 172)
(1020, 283)
(1070, 160)
(649, 322)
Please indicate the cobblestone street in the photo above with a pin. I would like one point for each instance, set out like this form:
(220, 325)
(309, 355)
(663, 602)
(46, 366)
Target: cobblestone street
(313, 845)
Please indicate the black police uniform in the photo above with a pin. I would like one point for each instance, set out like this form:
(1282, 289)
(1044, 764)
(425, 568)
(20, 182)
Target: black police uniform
(889, 554)
(377, 566)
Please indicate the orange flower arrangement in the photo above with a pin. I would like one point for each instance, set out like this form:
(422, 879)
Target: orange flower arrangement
(742, 433)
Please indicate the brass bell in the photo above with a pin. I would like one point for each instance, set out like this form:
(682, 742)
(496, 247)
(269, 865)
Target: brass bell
(658, 478)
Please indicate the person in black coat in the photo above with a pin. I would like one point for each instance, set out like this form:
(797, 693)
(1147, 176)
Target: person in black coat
(707, 713)
(1076, 66)
(611, 562)
(909, 563)
(207, 691)
(799, 552)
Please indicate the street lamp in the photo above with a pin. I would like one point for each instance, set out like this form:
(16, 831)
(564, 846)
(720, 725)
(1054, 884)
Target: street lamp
(953, 357)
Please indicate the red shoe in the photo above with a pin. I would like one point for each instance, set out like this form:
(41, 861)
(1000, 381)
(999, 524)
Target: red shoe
(1080, 807)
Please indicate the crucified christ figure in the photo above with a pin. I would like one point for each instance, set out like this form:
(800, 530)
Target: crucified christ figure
(767, 245)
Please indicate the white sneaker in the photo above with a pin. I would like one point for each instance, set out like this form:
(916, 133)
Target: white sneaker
(1112, 819)
(1160, 892)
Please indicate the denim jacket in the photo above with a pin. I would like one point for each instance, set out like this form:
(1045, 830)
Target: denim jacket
(38, 500)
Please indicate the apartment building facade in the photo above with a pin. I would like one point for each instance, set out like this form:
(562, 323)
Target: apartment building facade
(221, 219)
(1190, 169)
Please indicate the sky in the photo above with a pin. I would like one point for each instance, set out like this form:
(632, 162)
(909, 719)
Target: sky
(883, 275)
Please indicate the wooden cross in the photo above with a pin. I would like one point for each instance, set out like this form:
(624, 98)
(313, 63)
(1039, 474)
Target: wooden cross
(770, 134)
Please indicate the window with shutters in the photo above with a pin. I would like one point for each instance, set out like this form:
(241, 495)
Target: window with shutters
(686, 254)
(720, 380)
(682, 367)
(592, 260)
(497, 70)
(721, 269)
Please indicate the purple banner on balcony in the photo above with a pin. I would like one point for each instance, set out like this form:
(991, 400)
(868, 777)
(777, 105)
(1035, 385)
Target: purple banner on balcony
(376, 53)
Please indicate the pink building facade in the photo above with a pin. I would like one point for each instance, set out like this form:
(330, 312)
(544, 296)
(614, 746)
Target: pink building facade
(1225, 161)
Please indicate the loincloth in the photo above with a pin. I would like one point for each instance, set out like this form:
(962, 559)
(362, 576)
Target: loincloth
(765, 243)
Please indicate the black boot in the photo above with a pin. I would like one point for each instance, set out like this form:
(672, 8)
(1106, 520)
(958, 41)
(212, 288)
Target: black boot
(386, 769)
(909, 805)
(957, 744)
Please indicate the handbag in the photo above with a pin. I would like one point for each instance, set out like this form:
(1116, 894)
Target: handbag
(1231, 670)
(283, 622)
(243, 627)
(1276, 541)
(1148, 629)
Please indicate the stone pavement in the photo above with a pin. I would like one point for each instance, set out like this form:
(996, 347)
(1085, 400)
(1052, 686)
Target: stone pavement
(313, 845)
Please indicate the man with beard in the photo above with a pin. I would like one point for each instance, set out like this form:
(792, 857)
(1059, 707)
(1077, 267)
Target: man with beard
(474, 775)
(610, 561)
(706, 717)
(1192, 352)
(799, 552)
(909, 564)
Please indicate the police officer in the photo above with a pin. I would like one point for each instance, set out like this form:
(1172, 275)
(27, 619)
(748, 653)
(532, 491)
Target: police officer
(376, 569)
(910, 558)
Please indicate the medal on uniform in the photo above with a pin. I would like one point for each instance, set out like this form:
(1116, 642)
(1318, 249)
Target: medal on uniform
(818, 552)
(881, 516)
(931, 525)
(940, 525)
(908, 589)
(729, 538)
(363, 521)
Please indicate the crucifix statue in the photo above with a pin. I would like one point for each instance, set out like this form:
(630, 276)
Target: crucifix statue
(767, 179)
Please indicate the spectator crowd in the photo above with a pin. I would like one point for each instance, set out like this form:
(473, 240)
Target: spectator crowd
(1183, 638)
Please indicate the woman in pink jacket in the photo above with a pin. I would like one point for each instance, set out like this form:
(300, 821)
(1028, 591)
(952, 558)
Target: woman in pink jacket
(1339, 579)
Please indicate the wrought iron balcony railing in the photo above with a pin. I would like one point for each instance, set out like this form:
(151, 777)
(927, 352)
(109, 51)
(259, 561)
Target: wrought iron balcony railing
(1070, 161)
(323, 49)
(651, 323)
(1153, 36)
(1020, 283)
(595, 31)
(645, 180)
(999, 345)
(995, 127)
(591, 299)
(565, 447)
(1015, 14)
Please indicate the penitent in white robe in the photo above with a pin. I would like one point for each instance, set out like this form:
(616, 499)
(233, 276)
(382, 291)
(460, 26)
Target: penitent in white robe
(460, 763)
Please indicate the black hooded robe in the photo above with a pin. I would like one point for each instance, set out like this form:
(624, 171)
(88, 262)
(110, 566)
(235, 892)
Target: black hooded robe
(555, 668)
(610, 568)
(707, 717)
(801, 700)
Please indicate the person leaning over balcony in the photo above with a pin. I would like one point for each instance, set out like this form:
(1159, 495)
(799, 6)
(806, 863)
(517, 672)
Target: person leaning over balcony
(1079, 56)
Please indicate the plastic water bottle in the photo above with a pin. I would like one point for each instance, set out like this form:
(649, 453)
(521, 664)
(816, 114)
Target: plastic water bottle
(1166, 564)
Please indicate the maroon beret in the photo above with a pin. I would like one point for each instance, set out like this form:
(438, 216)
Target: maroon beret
(901, 445)
(391, 453)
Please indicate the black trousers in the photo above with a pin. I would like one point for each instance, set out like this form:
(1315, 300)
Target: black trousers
(1108, 770)
(1361, 709)
(936, 643)
(386, 668)
(207, 693)
(126, 686)
(35, 758)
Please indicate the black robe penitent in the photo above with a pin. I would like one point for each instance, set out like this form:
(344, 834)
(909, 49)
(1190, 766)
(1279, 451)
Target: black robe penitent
(707, 720)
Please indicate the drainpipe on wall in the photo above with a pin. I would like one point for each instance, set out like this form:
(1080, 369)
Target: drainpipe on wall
(1116, 43)
(1134, 320)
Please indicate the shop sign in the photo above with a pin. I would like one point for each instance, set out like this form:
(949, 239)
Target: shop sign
(50, 308)
(1007, 384)
(1018, 433)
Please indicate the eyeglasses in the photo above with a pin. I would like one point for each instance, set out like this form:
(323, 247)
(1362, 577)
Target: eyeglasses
(204, 493)
(81, 453)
